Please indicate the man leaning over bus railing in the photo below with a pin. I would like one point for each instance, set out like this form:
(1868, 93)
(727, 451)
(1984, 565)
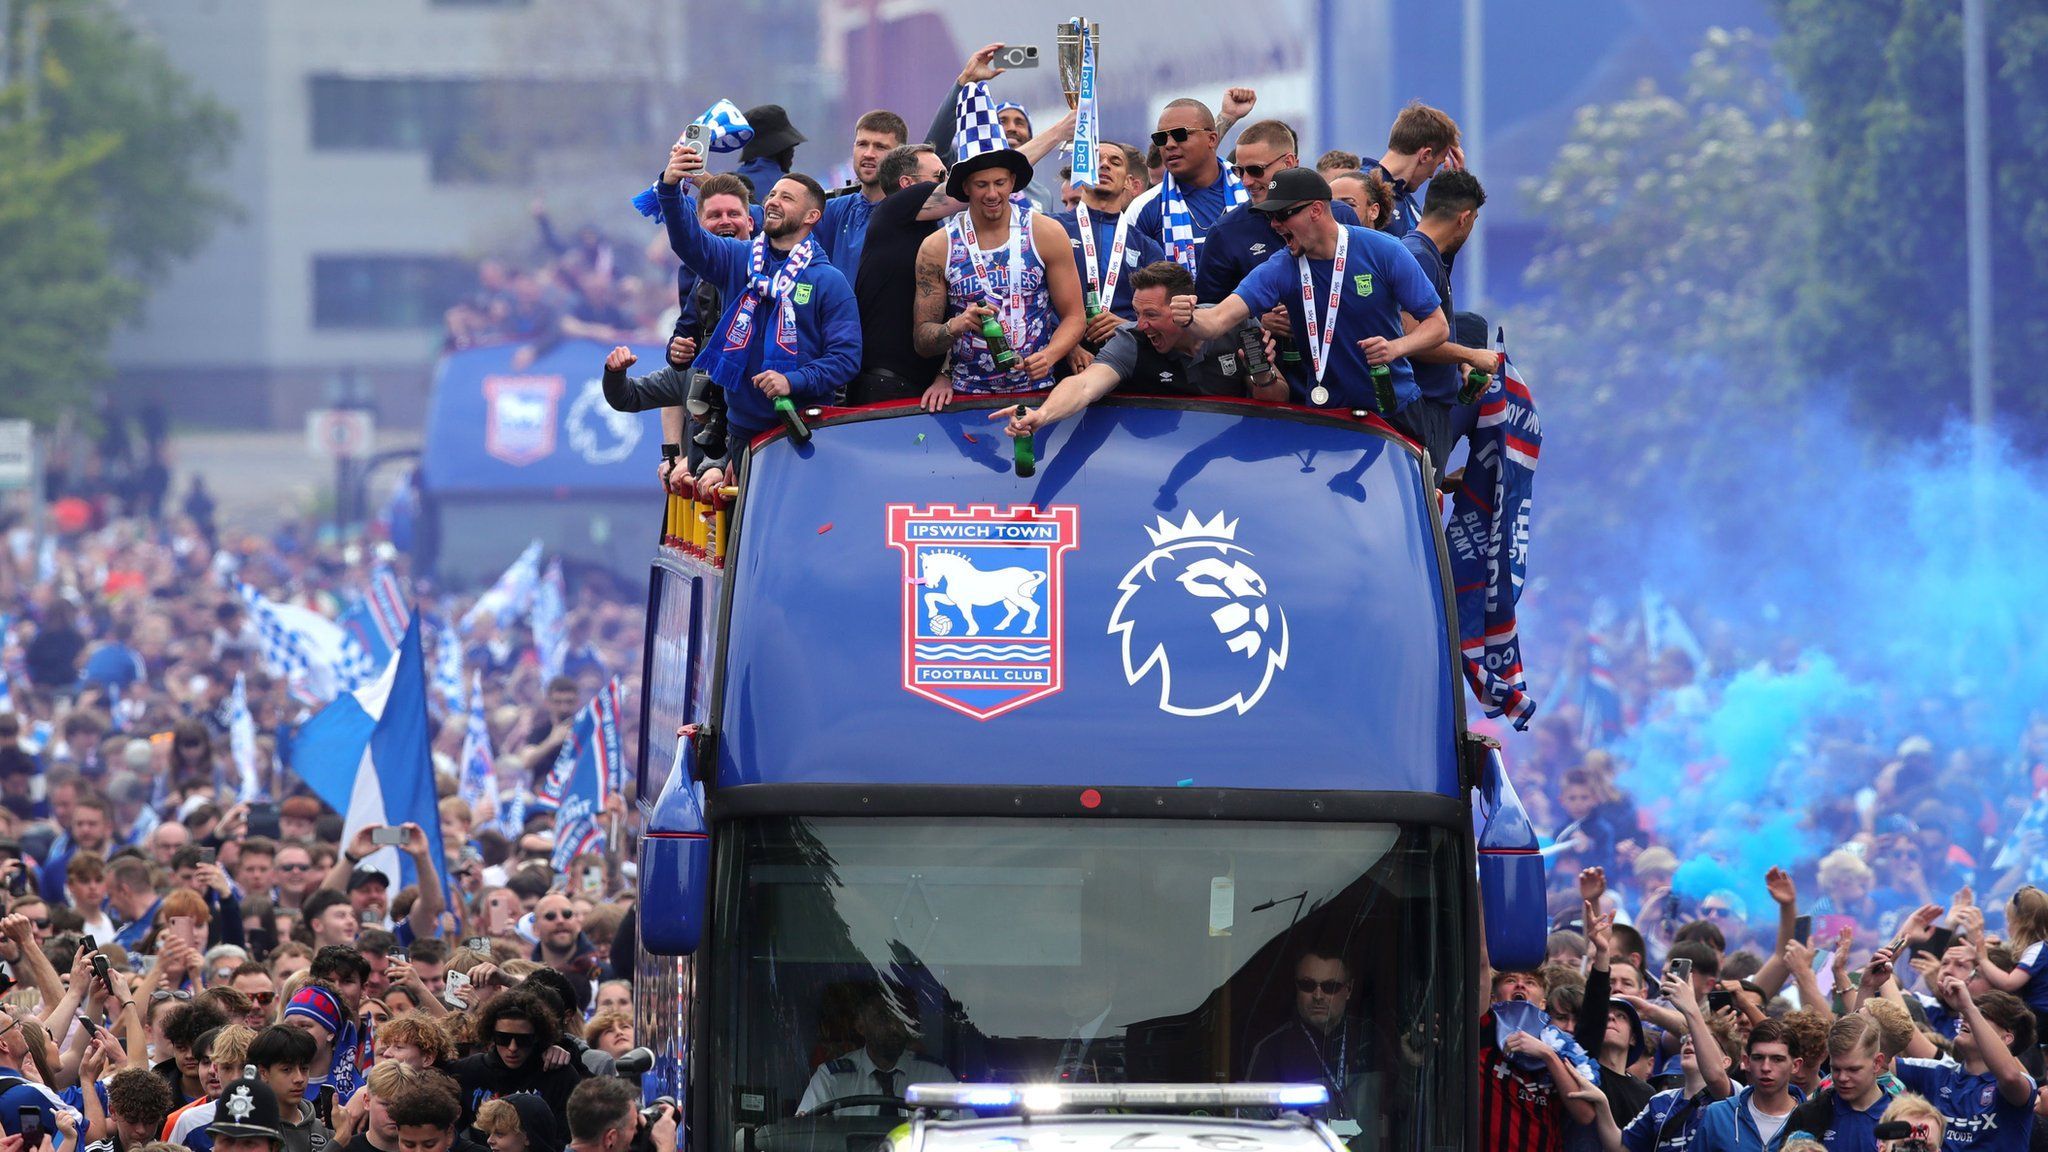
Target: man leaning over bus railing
(791, 327)
(1159, 356)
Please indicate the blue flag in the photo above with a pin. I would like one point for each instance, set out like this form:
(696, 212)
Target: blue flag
(368, 755)
(590, 768)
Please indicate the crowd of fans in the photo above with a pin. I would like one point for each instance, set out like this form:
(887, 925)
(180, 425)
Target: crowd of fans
(183, 966)
(580, 286)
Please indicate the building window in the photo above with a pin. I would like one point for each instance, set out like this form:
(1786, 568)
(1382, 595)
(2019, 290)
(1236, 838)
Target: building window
(386, 291)
(474, 131)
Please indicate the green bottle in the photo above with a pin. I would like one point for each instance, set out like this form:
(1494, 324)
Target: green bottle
(798, 430)
(1094, 303)
(1290, 353)
(998, 343)
(1476, 384)
(1383, 390)
(1025, 456)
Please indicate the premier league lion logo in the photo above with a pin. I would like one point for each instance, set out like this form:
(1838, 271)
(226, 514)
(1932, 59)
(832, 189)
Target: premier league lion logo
(1197, 614)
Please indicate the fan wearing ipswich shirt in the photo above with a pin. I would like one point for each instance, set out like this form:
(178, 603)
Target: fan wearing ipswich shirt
(1986, 1096)
(1155, 355)
(1196, 191)
(791, 326)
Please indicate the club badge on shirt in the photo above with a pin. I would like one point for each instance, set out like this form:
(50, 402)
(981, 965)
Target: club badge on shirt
(1363, 283)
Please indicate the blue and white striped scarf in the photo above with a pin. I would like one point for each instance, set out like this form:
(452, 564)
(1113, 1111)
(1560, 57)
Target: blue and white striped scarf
(1182, 245)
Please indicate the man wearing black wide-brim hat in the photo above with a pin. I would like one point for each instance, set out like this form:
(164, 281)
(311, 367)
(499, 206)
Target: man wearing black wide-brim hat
(771, 154)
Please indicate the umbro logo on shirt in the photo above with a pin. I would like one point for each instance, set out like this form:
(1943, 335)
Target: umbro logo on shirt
(1166, 377)
(1258, 249)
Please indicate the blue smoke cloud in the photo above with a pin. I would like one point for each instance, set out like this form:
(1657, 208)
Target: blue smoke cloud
(1887, 590)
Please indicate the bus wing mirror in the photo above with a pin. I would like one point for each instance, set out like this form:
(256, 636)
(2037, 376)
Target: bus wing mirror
(1511, 883)
(675, 864)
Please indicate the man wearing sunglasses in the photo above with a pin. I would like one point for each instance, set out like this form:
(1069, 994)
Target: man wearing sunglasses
(1244, 238)
(1321, 1043)
(1196, 191)
(515, 1028)
(1355, 296)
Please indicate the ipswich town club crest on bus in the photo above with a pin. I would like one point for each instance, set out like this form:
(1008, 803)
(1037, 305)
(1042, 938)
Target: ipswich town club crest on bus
(519, 420)
(983, 602)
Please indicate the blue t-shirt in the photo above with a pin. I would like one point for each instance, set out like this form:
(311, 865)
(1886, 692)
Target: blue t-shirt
(1381, 281)
(1139, 250)
(1205, 207)
(1979, 1117)
(1407, 207)
(2036, 991)
(1241, 241)
(1438, 382)
(1853, 1131)
(843, 230)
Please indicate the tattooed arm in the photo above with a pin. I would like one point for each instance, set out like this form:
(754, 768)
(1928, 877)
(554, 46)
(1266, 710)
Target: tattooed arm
(932, 333)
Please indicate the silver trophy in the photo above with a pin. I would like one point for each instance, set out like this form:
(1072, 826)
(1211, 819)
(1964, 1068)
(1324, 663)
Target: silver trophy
(1067, 38)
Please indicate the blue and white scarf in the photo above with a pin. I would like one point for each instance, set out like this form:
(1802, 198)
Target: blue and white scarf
(1182, 245)
(776, 289)
(1489, 542)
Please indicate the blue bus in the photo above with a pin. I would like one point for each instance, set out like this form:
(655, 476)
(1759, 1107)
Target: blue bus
(1113, 773)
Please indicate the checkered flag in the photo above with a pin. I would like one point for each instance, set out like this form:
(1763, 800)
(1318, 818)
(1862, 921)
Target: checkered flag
(730, 131)
(975, 128)
(282, 651)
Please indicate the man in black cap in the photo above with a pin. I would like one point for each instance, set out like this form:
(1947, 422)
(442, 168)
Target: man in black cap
(1347, 290)
(998, 260)
(246, 1118)
(771, 154)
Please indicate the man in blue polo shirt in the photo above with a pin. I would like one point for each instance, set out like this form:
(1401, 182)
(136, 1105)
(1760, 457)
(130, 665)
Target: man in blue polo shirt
(1244, 238)
(843, 229)
(1422, 140)
(1111, 250)
(1346, 289)
(1987, 1097)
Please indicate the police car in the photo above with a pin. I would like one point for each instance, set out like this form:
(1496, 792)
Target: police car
(1119, 1117)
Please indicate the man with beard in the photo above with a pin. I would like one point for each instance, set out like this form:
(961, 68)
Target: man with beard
(1244, 238)
(991, 262)
(881, 1066)
(1333, 265)
(88, 834)
(791, 327)
(562, 945)
(890, 367)
(1155, 355)
(843, 229)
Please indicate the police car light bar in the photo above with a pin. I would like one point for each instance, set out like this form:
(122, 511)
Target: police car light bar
(1155, 1097)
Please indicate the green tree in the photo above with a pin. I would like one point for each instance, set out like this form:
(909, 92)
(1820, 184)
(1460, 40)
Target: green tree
(1674, 222)
(106, 157)
(1882, 298)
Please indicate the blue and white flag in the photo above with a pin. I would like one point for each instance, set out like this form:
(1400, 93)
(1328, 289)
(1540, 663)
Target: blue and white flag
(512, 817)
(369, 756)
(550, 623)
(316, 657)
(479, 776)
(590, 767)
(1664, 628)
(730, 132)
(1488, 536)
(378, 619)
(242, 743)
(447, 667)
(512, 596)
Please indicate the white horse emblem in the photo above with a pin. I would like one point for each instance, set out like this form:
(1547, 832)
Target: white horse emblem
(952, 579)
